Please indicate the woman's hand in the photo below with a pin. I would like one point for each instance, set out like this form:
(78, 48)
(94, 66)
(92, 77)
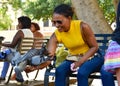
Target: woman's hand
(75, 66)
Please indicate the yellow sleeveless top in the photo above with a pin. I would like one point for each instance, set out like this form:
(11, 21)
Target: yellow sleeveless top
(73, 39)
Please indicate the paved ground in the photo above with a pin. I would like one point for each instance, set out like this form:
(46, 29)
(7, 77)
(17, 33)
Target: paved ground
(38, 82)
(40, 79)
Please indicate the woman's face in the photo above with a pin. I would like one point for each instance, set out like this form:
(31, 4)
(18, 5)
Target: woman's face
(33, 28)
(61, 22)
(19, 26)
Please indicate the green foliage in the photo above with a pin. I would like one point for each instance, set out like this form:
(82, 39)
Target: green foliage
(40, 9)
(16, 4)
(37, 9)
(108, 10)
(5, 20)
(5, 23)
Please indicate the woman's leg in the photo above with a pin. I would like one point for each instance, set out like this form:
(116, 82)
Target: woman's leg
(18, 69)
(5, 69)
(61, 73)
(107, 78)
(118, 75)
(87, 68)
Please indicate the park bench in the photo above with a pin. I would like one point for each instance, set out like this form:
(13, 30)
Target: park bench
(25, 45)
(102, 40)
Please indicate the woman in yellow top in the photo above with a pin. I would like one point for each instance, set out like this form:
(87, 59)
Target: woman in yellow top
(82, 49)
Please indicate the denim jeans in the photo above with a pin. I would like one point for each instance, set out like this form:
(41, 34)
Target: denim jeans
(107, 78)
(7, 64)
(84, 71)
(5, 69)
(18, 70)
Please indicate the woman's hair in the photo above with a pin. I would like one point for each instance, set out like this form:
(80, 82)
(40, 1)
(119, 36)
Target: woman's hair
(36, 26)
(64, 9)
(25, 21)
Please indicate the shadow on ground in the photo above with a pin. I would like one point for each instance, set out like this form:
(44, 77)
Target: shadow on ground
(72, 82)
(33, 83)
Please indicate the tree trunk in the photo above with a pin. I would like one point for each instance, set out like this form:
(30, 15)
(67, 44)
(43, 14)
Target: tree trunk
(90, 12)
(115, 3)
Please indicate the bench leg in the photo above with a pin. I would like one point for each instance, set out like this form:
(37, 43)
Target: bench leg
(46, 77)
(90, 81)
(36, 74)
(67, 81)
(46, 80)
(9, 76)
(27, 75)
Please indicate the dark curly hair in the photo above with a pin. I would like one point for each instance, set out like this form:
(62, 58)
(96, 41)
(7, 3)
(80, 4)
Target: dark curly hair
(25, 21)
(36, 26)
(64, 9)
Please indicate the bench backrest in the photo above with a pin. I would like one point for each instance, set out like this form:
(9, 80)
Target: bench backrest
(28, 43)
(103, 40)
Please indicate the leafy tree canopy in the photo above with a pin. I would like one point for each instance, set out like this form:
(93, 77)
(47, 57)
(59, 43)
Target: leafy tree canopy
(41, 9)
(37, 9)
(5, 20)
(108, 10)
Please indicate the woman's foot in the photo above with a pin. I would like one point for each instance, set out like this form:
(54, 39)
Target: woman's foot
(2, 79)
(20, 80)
(13, 77)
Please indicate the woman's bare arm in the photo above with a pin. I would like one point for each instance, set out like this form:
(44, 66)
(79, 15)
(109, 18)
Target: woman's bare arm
(18, 36)
(90, 40)
(52, 45)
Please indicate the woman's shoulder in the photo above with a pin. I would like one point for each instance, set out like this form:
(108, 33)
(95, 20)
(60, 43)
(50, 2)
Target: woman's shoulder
(38, 34)
(19, 32)
(76, 20)
(84, 25)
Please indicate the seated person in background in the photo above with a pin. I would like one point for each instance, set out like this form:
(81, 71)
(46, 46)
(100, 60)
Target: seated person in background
(36, 32)
(24, 24)
(21, 63)
(32, 57)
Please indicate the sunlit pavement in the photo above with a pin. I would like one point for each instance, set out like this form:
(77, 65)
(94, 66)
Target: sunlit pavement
(40, 79)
